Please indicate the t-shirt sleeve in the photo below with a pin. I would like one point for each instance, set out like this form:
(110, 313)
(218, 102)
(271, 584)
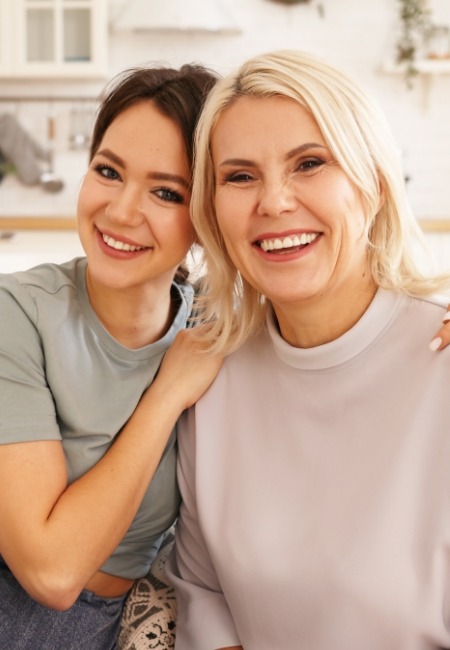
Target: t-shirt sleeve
(204, 620)
(27, 410)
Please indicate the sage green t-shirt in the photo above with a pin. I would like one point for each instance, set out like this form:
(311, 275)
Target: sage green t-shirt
(64, 377)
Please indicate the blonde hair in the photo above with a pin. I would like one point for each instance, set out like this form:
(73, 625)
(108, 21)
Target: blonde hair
(360, 140)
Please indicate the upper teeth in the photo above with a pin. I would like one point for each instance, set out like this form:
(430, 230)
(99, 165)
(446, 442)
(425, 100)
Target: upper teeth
(288, 242)
(120, 245)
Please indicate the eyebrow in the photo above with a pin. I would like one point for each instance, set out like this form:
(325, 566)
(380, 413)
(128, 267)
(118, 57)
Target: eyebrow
(158, 176)
(290, 154)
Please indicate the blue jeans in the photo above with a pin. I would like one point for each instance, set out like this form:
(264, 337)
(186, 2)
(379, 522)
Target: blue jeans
(92, 623)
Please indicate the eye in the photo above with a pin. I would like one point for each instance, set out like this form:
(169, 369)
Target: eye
(169, 195)
(238, 177)
(310, 164)
(106, 171)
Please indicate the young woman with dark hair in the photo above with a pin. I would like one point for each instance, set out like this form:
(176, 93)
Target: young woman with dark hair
(87, 416)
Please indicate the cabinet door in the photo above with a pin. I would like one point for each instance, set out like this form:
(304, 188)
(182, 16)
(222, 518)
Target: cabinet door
(6, 30)
(60, 38)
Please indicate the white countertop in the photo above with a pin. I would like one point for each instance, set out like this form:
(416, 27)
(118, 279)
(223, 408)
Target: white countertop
(27, 248)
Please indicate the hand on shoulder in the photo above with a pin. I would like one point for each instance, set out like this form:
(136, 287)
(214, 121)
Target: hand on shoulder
(189, 366)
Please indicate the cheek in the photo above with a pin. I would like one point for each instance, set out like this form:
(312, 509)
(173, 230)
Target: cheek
(359, 221)
(182, 229)
(353, 213)
(87, 198)
(230, 216)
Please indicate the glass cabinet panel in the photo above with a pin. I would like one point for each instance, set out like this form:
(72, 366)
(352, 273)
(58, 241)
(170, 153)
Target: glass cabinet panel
(40, 35)
(77, 35)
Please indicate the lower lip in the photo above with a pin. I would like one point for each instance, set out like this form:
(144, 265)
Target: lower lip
(287, 255)
(119, 254)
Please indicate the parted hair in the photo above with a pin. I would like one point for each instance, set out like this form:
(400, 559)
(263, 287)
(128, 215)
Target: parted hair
(359, 137)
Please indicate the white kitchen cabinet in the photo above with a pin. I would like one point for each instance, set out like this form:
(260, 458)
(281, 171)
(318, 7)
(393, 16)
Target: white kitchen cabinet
(53, 38)
(6, 21)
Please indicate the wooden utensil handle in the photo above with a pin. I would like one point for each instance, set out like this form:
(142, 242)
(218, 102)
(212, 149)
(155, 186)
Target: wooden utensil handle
(51, 128)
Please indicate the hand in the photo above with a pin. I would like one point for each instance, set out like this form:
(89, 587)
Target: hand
(188, 369)
(442, 338)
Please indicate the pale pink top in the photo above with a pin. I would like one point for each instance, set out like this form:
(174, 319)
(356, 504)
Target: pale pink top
(316, 487)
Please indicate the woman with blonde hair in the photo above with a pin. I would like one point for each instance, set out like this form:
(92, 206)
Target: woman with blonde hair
(315, 470)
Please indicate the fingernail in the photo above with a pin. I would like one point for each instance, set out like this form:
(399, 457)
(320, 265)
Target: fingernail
(446, 317)
(435, 344)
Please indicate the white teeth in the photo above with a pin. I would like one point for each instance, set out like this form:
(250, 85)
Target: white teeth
(120, 245)
(288, 242)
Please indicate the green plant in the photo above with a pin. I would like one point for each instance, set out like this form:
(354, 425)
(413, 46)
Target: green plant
(414, 18)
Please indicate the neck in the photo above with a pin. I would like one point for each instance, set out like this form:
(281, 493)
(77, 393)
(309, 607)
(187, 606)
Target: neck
(319, 320)
(135, 318)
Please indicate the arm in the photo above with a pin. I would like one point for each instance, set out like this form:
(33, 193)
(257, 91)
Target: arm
(55, 536)
(442, 337)
(204, 620)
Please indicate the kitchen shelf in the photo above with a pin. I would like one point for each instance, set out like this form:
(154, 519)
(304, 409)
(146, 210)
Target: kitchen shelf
(427, 72)
(38, 223)
(69, 223)
(435, 225)
(423, 66)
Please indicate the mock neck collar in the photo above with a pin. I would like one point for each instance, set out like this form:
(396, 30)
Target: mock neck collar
(372, 324)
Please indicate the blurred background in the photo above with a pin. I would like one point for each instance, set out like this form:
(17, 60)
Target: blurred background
(57, 55)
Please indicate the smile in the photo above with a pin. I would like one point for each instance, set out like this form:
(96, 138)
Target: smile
(287, 242)
(120, 245)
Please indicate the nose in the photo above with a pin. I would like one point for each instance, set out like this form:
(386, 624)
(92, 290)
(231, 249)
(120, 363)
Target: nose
(276, 197)
(125, 207)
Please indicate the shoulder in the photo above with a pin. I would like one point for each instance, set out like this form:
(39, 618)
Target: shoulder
(46, 277)
(422, 309)
(47, 283)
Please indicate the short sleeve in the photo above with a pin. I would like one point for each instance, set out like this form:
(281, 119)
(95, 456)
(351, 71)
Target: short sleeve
(27, 410)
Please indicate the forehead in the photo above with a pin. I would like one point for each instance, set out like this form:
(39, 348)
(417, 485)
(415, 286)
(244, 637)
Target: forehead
(143, 133)
(264, 120)
(144, 121)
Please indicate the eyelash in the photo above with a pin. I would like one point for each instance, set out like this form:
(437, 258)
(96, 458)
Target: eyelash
(101, 168)
(304, 166)
(164, 193)
(167, 194)
(310, 163)
(238, 177)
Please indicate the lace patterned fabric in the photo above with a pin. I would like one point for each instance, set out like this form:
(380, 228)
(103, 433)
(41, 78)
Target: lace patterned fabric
(149, 616)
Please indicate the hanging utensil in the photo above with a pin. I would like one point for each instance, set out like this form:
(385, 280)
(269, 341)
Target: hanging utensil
(49, 181)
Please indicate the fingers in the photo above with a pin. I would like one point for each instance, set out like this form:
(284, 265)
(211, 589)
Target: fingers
(442, 338)
(189, 366)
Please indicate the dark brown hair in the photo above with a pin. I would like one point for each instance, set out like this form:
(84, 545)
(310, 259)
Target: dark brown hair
(178, 94)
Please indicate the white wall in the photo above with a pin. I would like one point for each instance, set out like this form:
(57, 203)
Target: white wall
(356, 36)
